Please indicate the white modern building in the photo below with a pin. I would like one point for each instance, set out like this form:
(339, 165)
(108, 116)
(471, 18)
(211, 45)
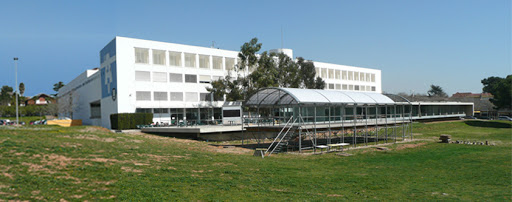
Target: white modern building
(170, 80)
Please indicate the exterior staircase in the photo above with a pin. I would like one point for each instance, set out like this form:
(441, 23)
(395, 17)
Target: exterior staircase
(283, 145)
(283, 137)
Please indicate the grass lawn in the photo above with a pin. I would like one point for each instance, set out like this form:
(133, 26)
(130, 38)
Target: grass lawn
(90, 163)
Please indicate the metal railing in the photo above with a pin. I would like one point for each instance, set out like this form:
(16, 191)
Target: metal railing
(281, 137)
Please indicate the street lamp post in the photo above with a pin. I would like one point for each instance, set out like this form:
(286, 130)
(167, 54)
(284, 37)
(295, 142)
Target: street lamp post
(16, 77)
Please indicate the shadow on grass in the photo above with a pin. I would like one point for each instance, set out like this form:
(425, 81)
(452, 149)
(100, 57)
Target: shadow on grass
(488, 124)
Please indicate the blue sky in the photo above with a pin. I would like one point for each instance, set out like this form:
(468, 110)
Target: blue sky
(453, 43)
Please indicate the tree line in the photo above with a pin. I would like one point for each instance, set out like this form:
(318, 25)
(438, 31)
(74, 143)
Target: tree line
(8, 102)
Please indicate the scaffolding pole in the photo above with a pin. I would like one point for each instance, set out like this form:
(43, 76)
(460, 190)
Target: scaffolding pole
(366, 125)
(314, 124)
(394, 116)
(354, 121)
(376, 124)
(343, 123)
(330, 131)
(386, 120)
(300, 132)
(403, 120)
(410, 120)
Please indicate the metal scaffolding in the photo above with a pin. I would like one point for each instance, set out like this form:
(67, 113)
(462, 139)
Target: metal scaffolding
(307, 119)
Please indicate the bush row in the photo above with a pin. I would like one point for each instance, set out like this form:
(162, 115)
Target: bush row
(125, 121)
(29, 110)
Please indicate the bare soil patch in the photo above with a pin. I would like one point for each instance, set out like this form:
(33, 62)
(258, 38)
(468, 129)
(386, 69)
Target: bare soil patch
(71, 145)
(36, 168)
(10, 176)
(200, 145)
(128, 169)
(56, 160)
(106, 182)
(95, 129)
(77, 196)
(405, 146)
(229, 150)
(76, 180)
(223, 164)
(159, 158)
(91, 137)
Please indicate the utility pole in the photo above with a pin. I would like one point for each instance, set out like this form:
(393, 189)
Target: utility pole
(16, 78)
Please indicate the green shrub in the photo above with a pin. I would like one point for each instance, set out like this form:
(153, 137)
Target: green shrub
(125, 121)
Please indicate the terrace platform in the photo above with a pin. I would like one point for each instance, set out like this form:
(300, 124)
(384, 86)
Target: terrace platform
(206, 132)
(193, 129)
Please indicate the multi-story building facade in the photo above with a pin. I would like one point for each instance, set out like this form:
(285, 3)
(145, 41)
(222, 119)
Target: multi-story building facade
(170, 81)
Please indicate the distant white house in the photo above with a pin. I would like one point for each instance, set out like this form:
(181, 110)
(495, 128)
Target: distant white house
(40, 99)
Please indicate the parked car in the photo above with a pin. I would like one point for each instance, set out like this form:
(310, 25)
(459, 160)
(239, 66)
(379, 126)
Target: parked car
(38, 122)
(4, 121)
(506, 118)
(12, 123)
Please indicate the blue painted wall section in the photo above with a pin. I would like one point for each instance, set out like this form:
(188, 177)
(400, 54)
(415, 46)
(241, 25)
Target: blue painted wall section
(108, 70)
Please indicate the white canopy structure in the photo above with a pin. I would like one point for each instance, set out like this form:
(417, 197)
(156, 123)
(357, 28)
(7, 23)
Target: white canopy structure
(303, 97)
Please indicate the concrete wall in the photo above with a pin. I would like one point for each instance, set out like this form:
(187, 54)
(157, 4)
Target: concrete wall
(77, 96)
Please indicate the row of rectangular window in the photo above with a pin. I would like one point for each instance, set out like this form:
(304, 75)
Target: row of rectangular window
(160, 110)
(344, 75)
(333, 86)
(172, 96)
(175, 59)
(174, 77)
(191, 113)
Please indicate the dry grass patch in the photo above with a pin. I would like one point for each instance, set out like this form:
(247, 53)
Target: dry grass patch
(159, 158)
(129, 169)
(194, 145)
(37, 168)
(69, 177)
(230, 150)
(71, 145)
(406, 146)
(8, 175)
(90, 137)
(93, 129)
(106, 182)
(77, 196)
(223, 164)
